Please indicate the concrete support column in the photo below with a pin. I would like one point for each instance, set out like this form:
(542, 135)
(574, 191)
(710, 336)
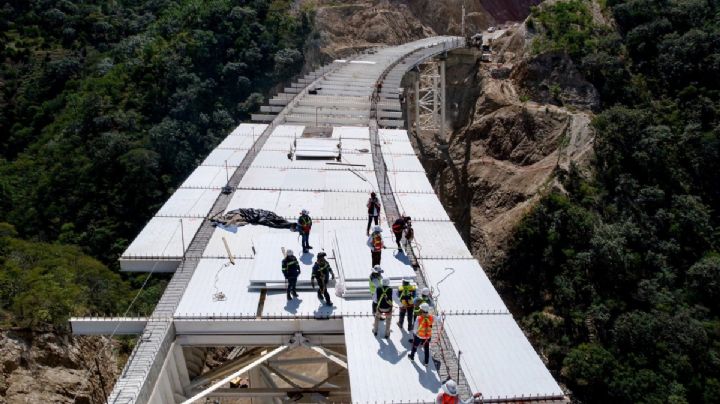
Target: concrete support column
(442, 99)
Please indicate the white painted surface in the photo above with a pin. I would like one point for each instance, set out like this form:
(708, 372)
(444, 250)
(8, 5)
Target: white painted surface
(288, 131)
(267, 266)
(189, 202)
(403, 163)
(240, 240)
(213, 276)
(348, 132)
(308, 304)
(291, 203)
(462, 286)
(421, 206)
(219, 157)
(208, 177)
(407, 182)
(162, 237)
(397, 147)
(380, 371)
(438, 240)
(348, 205)
(278, 159)
(395, 135)
(249, 129)
(497, 358)
(236, 142)
(256, 199)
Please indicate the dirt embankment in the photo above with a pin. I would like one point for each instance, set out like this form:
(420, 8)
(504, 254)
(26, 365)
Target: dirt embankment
(529, 120)
(50, 367)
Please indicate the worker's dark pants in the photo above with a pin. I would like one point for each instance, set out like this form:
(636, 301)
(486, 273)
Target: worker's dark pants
(409, 311)
(305, 237)
(374, 308)
(398, 237)
(426, 346)
(322, 290)
(291, 285)
(376, 257)
(370, 219)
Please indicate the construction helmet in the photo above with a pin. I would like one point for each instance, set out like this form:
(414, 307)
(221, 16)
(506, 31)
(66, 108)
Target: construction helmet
(386, 282)
(450, 388)
(377, 229)
(289, 253)
(322, 255)
(304, 212)
(372, 194)
(425, 308)
(406, 281)
(377, 269)
(425, 292)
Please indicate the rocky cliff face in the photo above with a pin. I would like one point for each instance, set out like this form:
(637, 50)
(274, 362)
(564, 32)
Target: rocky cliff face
(528, 119)
(51, 367)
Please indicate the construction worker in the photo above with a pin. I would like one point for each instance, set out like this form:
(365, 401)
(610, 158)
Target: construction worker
(291, 271)
(423, 298)
(322, 272)
(422, 332)
(384, 307)
(304, 224)
(373, 206)
(398, 228)
(448, 394)
(375, 242)
(406, 294)
(375, 282)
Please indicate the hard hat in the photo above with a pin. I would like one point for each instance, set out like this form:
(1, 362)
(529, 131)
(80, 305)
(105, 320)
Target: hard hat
(377, 269)
(450, 388)
(425, 307)
(406, 281)
(372, 193)
(304, 212)
(322, 255)
(377, 229)
(386, 282)
(425, 292)
(289, 252)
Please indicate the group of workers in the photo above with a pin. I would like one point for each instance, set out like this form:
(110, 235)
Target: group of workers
(415, 308)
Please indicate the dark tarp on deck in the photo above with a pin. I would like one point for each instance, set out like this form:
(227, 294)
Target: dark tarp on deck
(241, 217)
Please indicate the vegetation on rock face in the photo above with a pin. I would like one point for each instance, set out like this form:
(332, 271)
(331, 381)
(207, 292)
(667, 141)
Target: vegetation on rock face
(618, 278)
(105, 107)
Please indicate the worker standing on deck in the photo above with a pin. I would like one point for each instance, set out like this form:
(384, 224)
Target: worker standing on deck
(398, 228)
(449, 395)
(304, 225)
(373, 206)
(384, 307)
(375, 242)
(322, 272)
(375, 282)
(291, 271)
(406, 294)
(422, 332)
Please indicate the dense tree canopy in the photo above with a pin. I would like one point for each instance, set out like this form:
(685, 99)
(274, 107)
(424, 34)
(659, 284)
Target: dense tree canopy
(618, 276)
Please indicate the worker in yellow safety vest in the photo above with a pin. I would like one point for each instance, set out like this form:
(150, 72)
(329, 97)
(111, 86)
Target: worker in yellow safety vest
(406, 294)
(423, 298)
(304, 225)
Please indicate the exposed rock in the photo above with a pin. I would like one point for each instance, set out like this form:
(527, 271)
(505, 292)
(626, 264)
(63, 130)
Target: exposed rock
(552, 78)
(51, 367)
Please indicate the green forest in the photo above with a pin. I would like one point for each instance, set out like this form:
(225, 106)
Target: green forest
(105, 108)
(617, 276)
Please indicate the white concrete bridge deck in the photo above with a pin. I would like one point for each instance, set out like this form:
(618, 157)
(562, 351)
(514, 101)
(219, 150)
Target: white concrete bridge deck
(496, 357)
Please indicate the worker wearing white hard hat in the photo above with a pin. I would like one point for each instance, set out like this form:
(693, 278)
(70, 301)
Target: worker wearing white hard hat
(422, 333)
(304, 224)
(423, 298)
(376, 279)
(449, 394)
(384, 307)
(376, 244)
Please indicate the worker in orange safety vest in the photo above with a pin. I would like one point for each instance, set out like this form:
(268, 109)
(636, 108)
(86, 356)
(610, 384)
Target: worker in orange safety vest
(375, 242)
(422, 332)
(449, 395)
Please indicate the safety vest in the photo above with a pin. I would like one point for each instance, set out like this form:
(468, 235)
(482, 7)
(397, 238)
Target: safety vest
(406, 293)
(377, 242)
(321, 269)
(447, 399)
(425, 326)
(384, 299)
(305, 223)
(373, 286)
(291, 263)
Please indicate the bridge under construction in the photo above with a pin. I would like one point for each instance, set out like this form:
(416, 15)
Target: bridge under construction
(323, 144)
